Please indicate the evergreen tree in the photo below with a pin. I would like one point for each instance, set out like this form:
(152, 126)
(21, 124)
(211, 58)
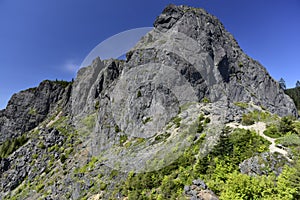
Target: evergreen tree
(282, 83)
(297, 84)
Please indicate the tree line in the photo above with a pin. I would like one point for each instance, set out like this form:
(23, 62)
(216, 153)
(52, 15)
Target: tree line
(283, 84)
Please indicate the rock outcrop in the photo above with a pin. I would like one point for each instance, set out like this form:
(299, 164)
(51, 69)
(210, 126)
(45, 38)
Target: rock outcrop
(187, 57)
(263, 164)
(199, 191)
(28, 108)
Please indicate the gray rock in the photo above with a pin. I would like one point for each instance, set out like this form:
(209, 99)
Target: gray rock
(28, 108)
(263, 164)
(200, 183)
(187, 57)
(4, 164)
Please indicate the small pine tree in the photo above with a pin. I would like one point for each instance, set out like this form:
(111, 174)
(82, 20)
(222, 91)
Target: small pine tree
(282, 84)
(297, 84)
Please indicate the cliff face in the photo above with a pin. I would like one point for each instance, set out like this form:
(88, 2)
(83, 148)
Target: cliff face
(187, 57)
(28, 108)
(142, 110)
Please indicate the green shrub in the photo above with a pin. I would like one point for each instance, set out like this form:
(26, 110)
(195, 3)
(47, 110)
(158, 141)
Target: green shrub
(103, 186)
(161, 137)
(201, 118)
(97, 105)
(200, 128)
(205, 100)
(247, 120)
(117, 129)
(123, 139)
(90, 121)
(63, 158)
(290, 139)
(11, 145)
(41, 145)
(176, 120)
(272, 131)
(32, 111)
(39, 187)
(62, 83)
(113, 174)
(207, 120)
(139, 94)
(148, 119)
(285, 125)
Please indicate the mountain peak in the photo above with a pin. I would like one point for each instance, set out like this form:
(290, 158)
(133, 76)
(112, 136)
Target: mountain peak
(168, 104)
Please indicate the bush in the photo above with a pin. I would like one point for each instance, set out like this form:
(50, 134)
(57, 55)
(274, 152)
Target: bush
(289, 140)
(63, 158)
(176, 120)
(272, 131)
(11, 145)
(247, 120)
(139, 94)
(123, 139)
(285, 125)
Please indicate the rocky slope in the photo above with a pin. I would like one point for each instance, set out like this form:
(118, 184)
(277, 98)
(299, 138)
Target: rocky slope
(137, 115)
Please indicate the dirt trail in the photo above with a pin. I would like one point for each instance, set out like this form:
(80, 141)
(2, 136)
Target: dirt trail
(54, 120)
(260, 127)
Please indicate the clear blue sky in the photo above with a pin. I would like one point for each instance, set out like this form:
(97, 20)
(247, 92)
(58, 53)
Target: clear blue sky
(45, 39)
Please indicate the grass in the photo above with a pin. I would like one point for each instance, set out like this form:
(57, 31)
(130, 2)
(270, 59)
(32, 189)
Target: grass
(241, 105)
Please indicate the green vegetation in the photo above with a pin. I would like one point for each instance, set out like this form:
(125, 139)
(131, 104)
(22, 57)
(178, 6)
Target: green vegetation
(256, 116)
(62, 83)
(117, 129)
(63, 158)
(148, 119)
(88, 167)
(11, 145)
(32, 111)
(215, 168)
(294, 93)
(123, 139)
(161, 137)
(97, 105)
(205, 100)
(285, 126)
(241, 105)
(176, 120)
(90, 121)
(139, 94)
(247, 120)
(291, 139)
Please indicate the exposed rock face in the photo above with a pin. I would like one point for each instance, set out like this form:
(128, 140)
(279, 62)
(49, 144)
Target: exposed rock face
(263, 164)
(199, 191)
(26, 109)
(188, 57)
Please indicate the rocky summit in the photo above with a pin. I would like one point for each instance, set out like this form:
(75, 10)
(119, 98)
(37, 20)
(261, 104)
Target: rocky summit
(178, 88)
